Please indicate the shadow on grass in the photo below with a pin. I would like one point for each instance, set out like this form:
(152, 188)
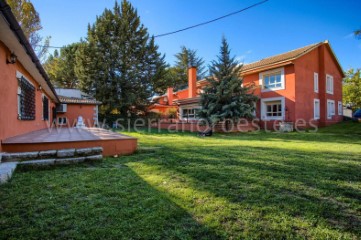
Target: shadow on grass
(313, 187)
(321, 136)
(102, 201)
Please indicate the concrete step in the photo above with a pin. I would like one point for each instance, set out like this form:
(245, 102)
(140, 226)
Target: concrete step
(61, 161)
(51, 154)
(6, 171)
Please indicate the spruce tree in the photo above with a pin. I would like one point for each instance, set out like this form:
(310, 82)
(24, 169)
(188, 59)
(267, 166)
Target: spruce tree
(119, 63)
(225, 98)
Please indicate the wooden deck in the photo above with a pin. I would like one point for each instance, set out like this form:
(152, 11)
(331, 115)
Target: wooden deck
(62, 138)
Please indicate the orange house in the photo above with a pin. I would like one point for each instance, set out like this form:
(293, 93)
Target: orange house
(75, 104)
(303, 86)
(31, 109)
(26, 94)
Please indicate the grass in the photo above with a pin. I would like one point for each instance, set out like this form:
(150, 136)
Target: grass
(180, 186)
(347, 127)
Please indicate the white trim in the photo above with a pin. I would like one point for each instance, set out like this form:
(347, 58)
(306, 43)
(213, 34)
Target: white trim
(315, 82)
(331, 86)
(329, 116)
(254, 113)
(314, 109)
(97, 115)
(18, 98)
(282, 70)
(193, 106)
(339, 109)
(42, 107)
(19, 75)
(264, 108)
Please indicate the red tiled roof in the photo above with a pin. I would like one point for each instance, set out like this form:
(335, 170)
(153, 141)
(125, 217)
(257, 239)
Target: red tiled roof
(72, 100)
(279, 60)
(187, 100)
(287, 56)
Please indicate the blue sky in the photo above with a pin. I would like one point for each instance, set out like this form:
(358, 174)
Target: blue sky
(272, 28)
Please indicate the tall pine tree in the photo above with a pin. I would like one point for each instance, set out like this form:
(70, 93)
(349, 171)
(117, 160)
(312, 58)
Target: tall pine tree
(225, 98)
(61, 67)
(187, 57)
(119, 63)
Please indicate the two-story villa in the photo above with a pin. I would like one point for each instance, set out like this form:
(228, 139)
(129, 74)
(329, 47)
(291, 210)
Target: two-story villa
(303, 86)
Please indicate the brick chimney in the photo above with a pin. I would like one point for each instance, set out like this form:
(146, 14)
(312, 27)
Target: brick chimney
(192, 82)
(170, 95)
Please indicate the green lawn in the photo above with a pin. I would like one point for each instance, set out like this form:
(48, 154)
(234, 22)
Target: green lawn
(180, 186)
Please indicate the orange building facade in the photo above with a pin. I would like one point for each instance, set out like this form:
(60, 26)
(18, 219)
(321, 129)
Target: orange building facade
(30, 105)
(74, 105)
(11, 119)
(29, 101)
(302, 87)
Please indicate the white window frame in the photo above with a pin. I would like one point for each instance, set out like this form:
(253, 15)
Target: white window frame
(42, 107)
(340, 108)
(19, 101)
(315, 82)
(254, 113)
(264, 108)
(330, 112)
(270, 72)
(329, 84)
(315, 115)
(19, 75)
(181, 109)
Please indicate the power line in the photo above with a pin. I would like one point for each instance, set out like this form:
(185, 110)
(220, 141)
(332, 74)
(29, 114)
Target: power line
(210, 21)
(199, 24)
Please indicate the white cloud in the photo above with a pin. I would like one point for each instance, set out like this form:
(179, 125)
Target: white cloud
(242, 58)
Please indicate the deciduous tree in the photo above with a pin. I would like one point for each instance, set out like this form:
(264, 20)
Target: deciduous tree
(29, 20)
(352, 88)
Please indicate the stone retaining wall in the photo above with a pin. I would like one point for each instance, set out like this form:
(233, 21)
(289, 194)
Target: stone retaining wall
(55, 155)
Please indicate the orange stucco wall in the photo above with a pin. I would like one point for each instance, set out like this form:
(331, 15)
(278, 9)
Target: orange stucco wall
(288, 93)
(87, 111)
(332, 69)
(9, 124)
(299, 91)
(110, 147)
(317, 61)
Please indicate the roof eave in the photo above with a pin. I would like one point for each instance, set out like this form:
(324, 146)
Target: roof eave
(15, 27)
(335, 58)
(267, 67)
